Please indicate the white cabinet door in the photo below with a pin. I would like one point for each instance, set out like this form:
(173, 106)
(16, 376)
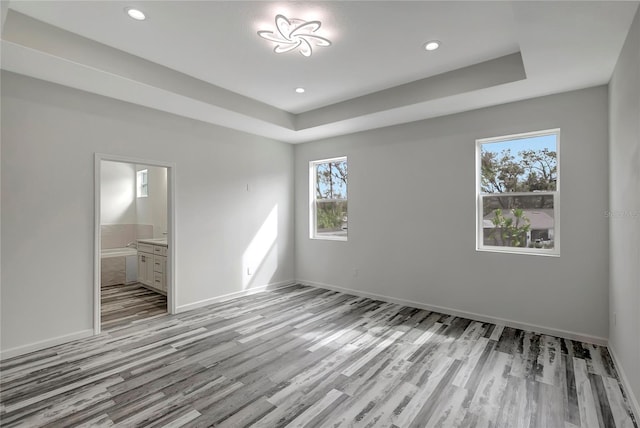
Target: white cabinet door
(160, 270)
(159, 263)
(152, 267)
(158, 281)
(149, 270)
(145, 269)
(143, 260)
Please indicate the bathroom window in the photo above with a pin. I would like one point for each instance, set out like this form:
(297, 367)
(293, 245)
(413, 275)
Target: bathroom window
(142, 183)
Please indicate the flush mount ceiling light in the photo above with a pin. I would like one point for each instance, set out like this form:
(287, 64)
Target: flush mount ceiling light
(300, 90)
(292, 34)
(432, 45)
(136, 14)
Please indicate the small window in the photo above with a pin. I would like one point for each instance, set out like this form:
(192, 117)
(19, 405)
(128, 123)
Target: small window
(328, 199)
(518, 193)
(142, 183)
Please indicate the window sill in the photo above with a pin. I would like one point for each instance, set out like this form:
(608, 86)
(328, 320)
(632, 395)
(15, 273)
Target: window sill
(329, 238)
(525, 251)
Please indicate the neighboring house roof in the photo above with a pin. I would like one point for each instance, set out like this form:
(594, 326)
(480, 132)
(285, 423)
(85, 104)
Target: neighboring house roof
(540, 218)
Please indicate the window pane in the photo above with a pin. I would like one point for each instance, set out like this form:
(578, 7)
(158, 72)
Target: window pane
(331, 218)
(519, 165)
(331, 180)
(518, 221)
(328, 179)
(142, 183)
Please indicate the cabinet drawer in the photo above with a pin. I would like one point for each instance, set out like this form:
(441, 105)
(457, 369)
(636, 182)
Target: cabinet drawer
(160, 250)
(145, 248)
(158, 281)
(159, 263)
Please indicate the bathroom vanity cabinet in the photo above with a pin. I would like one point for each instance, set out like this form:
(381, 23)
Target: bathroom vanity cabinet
(152, 264)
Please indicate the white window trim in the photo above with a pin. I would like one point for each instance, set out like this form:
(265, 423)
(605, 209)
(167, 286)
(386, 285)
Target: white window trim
(139, 184)
(555, 252)
(312, 200)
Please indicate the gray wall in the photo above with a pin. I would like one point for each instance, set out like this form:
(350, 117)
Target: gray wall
(49, 137)
(153, 209)
(624, 222)
(118, 193)
(412, 217)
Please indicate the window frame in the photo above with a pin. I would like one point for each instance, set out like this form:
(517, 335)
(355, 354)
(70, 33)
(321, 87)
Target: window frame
(313, 201)
(480, 246)
(142, 184)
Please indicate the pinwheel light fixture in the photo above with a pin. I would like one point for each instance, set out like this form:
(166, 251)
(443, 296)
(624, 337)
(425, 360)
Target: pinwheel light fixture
(292, 34)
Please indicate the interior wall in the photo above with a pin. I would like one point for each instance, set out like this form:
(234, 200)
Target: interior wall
(153, 209)
(624, 212)
(4, 9)
(412, 217)
(50, 135)
(118, 193)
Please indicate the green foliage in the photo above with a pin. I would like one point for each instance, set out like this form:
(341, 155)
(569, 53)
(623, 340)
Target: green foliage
(331, 215)
(510, 231)
(529, 171)
(331, 195)
(328, 218)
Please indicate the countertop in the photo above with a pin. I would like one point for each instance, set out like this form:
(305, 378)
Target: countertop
(155, 241)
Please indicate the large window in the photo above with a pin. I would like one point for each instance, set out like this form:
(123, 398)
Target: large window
(328, 198)
(518, 193)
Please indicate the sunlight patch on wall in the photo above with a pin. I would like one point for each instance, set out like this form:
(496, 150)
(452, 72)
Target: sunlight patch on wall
(117, 193)
(260, 259)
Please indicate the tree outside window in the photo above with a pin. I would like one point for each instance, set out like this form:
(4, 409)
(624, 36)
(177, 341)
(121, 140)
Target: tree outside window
(518, 193)
(329, 218)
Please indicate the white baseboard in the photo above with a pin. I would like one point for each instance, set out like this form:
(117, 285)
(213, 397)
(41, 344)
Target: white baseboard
(471, 315)
(43, 344)
(633, 400)
(37, 346)
(224, 297)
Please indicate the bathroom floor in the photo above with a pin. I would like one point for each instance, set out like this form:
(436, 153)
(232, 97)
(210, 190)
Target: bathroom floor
(123, 305)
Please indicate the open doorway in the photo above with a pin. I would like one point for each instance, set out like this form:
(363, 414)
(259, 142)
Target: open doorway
(134, 241)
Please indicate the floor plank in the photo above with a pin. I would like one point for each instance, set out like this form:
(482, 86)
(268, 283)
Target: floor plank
(306, 357)
(123, 305)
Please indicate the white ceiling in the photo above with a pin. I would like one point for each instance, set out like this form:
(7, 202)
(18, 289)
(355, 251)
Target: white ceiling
(204, 60)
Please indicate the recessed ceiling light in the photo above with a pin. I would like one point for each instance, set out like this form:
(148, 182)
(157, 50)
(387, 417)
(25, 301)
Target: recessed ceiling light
(292, 34)
(432, 45)
(136, 14)
(300, 90)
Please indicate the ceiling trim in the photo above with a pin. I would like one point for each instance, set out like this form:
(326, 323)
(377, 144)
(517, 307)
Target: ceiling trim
(499, 71)
(36, 49)
(29, 36)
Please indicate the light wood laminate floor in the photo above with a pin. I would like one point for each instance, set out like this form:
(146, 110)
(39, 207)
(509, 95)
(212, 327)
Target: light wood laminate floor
(302, 356)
